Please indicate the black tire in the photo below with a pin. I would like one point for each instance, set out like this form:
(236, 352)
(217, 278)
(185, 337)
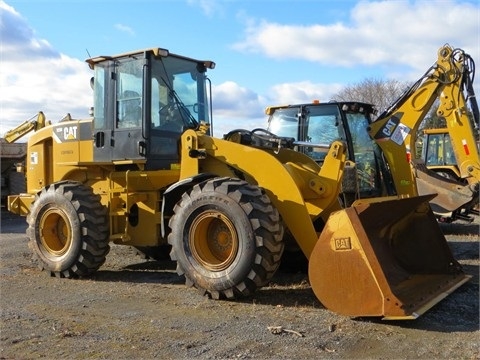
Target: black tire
(68, 230)
(226, 237)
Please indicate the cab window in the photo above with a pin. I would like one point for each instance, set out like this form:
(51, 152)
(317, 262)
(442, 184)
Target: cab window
(129, 75)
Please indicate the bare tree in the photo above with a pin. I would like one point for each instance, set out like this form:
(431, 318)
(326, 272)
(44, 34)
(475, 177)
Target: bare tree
(381, 93)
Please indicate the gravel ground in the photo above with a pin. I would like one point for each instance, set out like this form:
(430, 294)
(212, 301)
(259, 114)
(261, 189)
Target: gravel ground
(138, 309)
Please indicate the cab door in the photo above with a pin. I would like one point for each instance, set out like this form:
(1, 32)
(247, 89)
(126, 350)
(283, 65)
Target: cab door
(118, 110)
(128, 109)
(102, 128)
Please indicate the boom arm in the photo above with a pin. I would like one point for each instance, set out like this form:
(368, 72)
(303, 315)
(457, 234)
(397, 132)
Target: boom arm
(25, 127)
(395, 130)
(297, 186)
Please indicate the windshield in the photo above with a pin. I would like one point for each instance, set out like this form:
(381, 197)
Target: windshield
(178, 97)
(317, 125)
(440, 150)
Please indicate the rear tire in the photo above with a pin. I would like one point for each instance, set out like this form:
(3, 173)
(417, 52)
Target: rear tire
(226, 238)
(68, 230)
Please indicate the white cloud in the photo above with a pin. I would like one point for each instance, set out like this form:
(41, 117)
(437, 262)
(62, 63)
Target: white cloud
(209, 7)
(237, 107)
(380, 33)
(18, 40)
(232, 100)
(303, 92)
(34, 77)
(125, 29)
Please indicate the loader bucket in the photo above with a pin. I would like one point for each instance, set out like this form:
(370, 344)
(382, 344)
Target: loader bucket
(383, 257)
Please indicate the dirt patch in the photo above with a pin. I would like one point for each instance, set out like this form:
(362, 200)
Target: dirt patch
(135, 308)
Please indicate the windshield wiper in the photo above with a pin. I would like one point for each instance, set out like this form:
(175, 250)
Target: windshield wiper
(187, 118)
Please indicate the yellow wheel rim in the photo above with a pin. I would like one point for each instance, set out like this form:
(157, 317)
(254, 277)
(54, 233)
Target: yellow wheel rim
(213, 241)
(55, 232)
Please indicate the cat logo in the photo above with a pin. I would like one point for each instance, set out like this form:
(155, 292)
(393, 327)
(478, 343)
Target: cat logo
(388, 129)
(343, 243)
(70, 132)
(65, 133)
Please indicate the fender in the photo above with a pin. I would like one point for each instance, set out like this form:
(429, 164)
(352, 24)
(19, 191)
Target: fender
(174, 193)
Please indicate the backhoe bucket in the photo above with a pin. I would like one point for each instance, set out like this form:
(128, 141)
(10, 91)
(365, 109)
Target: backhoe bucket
(383, 257)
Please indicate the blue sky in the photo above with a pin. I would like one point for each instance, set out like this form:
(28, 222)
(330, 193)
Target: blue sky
(267, 51)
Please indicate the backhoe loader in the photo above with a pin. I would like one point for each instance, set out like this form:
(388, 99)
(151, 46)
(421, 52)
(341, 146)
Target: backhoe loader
(145, 172)
(450, 81)
(382, 150)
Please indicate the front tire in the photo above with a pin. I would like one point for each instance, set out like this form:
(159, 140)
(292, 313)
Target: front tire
(68, 230)
(226, 238)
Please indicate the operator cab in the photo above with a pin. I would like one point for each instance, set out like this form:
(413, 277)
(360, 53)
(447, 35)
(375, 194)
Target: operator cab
(143, 101)
(315, 126)
(438, 149)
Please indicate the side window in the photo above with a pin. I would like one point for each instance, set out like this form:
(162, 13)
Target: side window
(159, 103)
(129, 76)
(284, 122)
(364, 153)
(322, 128)
(449, 154)
(155, 111)
(165, 129)
(99, 96)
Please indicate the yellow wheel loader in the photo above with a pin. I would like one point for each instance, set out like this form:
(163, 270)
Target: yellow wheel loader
(381, 151)
(145, 172)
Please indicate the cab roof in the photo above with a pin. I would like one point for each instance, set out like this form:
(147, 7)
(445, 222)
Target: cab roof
(156, 52)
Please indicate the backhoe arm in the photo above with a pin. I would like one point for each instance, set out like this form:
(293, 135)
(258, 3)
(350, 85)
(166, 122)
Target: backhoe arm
(25, 127)
(395, 130)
